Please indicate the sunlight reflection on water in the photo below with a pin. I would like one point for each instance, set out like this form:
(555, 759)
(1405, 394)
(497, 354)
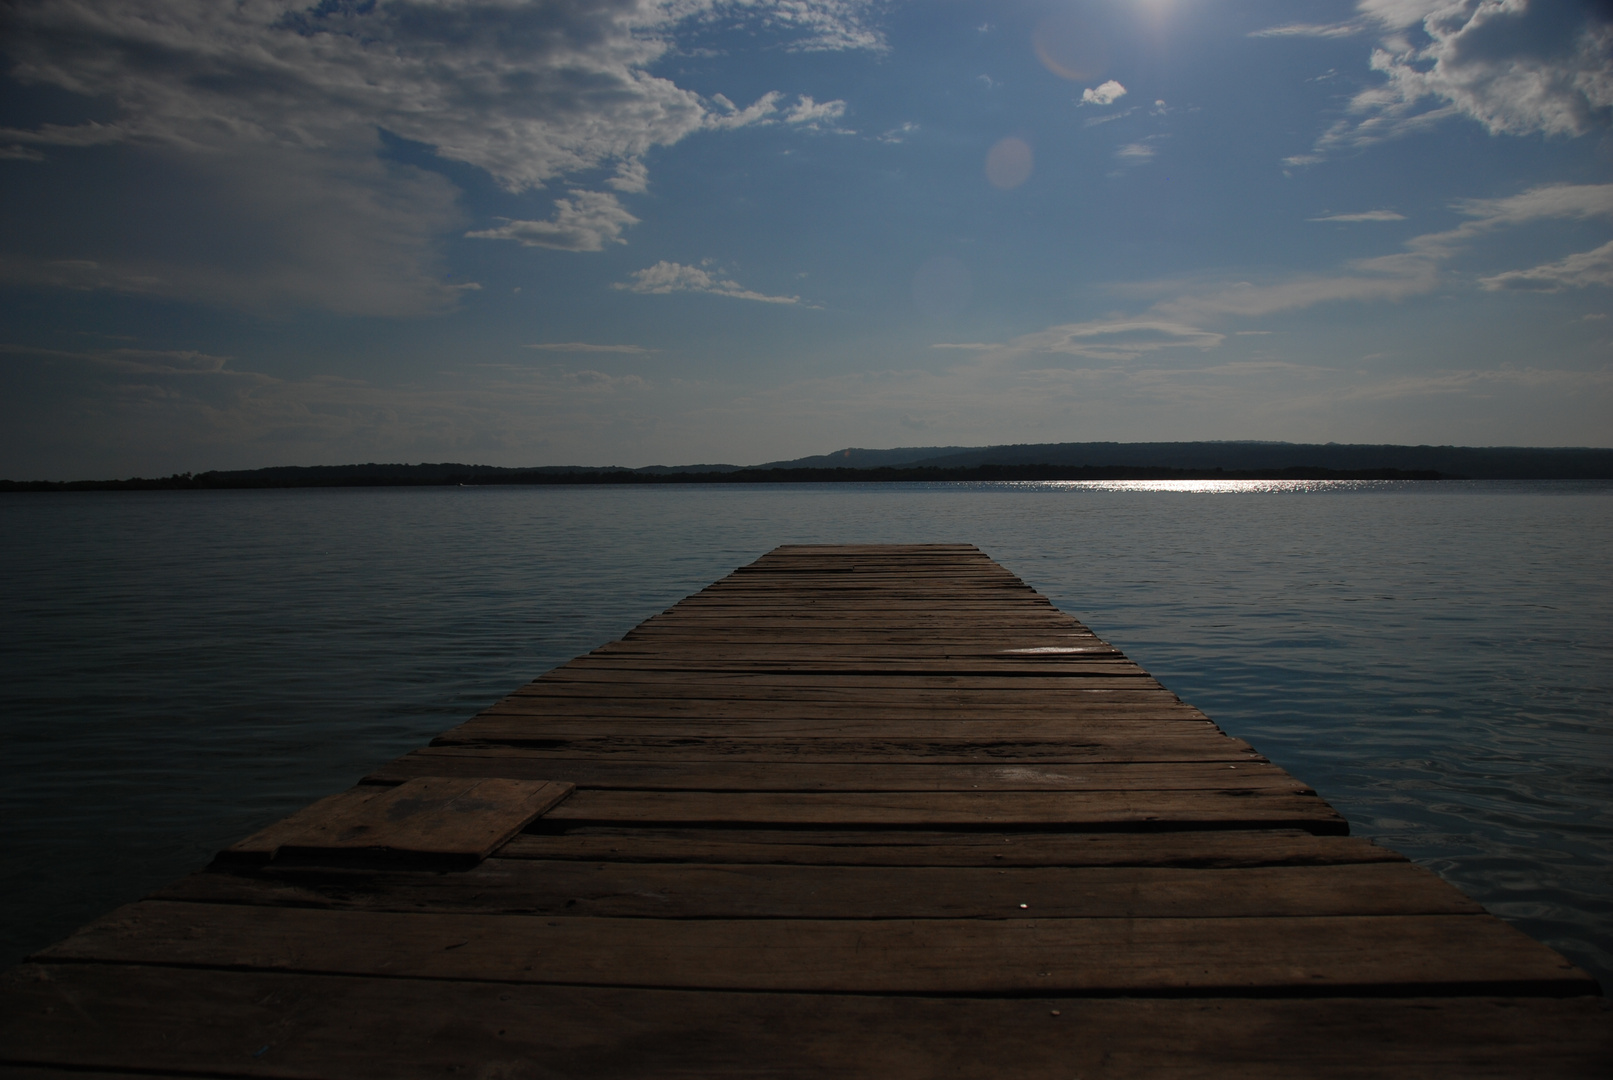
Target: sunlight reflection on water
(1215, 487)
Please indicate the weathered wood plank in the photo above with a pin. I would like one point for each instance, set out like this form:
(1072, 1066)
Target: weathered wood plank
(694, 890)
(431, 818)
(1073, 682)
(838, 742)
(1204, 740)
(785, 772)
(717, 649)
(312, 1027)
(1104, 706)
(999, 809)
(937, 847)
(1091, 674)
(1312, 955)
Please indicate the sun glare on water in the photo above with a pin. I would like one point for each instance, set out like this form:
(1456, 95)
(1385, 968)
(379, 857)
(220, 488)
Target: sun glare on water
(1212, 487)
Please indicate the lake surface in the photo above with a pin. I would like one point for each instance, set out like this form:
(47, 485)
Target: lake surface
(179, 668)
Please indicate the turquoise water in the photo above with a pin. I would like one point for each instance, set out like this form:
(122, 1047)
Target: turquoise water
(179, 668)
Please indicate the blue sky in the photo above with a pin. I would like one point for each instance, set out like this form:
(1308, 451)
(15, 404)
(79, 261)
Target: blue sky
(671, 231)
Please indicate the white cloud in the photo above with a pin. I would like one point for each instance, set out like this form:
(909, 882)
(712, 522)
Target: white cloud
(1393, 278)
(631, 176)
(586, 347)
(1118, 339)
(1575, 201)
(729, 115)
(813, 114)
(1579, 202)
(1575, 272)
(1135, 153)
(1516, 67)
(585, 222)
(812, 25)
(1417, 269)
(530, 93)
(670, 277)
(765, 110)
(1105, 340)
(1365, 215)
(1311, 30)
(1106, 93)
(1402, 14)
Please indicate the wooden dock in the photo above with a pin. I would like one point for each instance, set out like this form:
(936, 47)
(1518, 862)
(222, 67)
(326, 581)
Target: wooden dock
(853, 810)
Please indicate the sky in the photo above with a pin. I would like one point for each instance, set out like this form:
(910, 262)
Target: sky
(630, 232)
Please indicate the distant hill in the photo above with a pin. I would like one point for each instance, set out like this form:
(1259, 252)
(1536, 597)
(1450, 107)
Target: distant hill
(1468, 462)
(1028, 461)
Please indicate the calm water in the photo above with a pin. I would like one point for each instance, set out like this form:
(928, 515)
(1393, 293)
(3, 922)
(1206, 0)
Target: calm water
(181, 668)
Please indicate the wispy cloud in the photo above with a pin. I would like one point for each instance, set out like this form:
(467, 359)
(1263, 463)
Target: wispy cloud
(1575, 272)
(1107, 118)
(137, 361)
(270, 232)
(21, 142)
(587, 221)
(1389, 278)
(806, 113)
(728, 115)
(1311, 30)
(589, 347)
(1419, 267)
(1365, 215)
(1117, 339)
(671, 277)
(812, 25)
(1104, 340)
(813, 114)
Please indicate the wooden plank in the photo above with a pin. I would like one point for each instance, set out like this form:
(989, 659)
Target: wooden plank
(1075, 734)
(696, 890)
(998, 809)
(1312, 955)
(902, 683)
(1090, 674)
(821, 743)
(786, 773)
(841, 704)
(438, 819)
(312, 1027)
(937, 847)
(877, 643)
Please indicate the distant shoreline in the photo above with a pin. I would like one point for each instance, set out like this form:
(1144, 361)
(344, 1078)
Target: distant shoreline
(1228, 460)
(609, 477)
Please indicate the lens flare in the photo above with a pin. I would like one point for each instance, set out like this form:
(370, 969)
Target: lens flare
(1009, 163)
(1070, 48)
